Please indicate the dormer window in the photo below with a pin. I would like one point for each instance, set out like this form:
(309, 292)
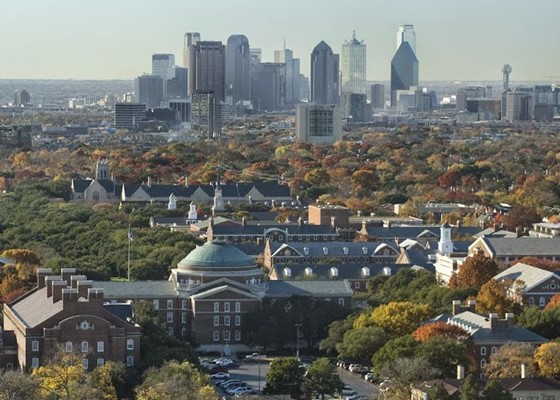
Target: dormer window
(308, 271)
(306, 251)
(345, 250)
(365, 271)
(364, 250)
(334, 272)
(325, 251)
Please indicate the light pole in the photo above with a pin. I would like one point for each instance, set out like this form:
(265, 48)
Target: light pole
(297, 340)
(259, 348)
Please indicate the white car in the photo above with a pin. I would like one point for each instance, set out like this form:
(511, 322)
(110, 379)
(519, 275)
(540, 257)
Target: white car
(220, 375)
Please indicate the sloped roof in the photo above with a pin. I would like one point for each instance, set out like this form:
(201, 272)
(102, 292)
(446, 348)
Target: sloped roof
(531, 276)
(136, 289)
(491, 232)
(34, 308)
(414, 231)
(80, 185)
(121, 310)
(292, 229)
(345, 271)
(316, 249)
(308, 288)
(523, 246)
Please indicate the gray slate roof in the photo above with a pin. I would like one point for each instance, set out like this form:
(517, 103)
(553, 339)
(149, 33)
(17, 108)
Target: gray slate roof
(409, 232)
(34, 308)
(530, 275)
(334, 249)
(292, 229)
(136, 289)
(308, 288)
(524, 246)
(345, 271)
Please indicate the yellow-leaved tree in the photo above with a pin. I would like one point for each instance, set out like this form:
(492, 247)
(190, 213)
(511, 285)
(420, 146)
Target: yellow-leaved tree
(396, 318)
(547, 358)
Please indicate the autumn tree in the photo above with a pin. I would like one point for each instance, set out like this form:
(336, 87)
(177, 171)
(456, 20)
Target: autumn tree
(474, 272)
(396, 318)
(547, 358)
(437, 329)
(403, 373)
(520, 217)
(549, 265)
(493, 298)
(553, 302)
(175, 381)
(18, 385)
(507, 361)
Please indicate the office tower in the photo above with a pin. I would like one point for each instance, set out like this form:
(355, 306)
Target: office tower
(404, 70)
(406, 34)
(178, 85)
(22, 98)
(544, 94)
(469, 92)
(128, 115)
(303, 88)
(149, 90)
(354, 107)
(353, 66)
(378, 95)
(182, 106)
(268, 83)
(318, 123)
(286, 57)
(486, 109)
(409, 100)
(162, 66)
(207, 64)
(324, 75)
(520, 104)
(190, 39)
(506, 70)
(238, 70)
(203, 114)
(256, 56)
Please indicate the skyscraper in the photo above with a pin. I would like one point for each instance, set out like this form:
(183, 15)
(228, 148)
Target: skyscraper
(406, 34)
(378, 95)
(286, 56)
(268, 84)
(324, 75)
(404, 71)
(203, 114)
(238, 70)
(353, 66)
(190, 39)
(207, 64)
(162, 66)
(149, 91)
(177, 86)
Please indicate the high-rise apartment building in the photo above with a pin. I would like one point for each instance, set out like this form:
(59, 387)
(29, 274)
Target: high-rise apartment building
(520, 104)
(378, 95)
(406, 34)
(286, 56)
(404, 71)
(204, 117)
(149, 90)
(318, 123)
(324, 75)
(238, 70)
(353, 66)
(207, 64)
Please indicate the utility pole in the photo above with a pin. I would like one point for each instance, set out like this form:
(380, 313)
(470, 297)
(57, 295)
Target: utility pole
(297, 339)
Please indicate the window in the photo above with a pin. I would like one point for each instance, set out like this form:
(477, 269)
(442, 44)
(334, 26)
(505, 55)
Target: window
(35, 362)
(130, 361)
(130, 344)
(542, 301)
(237, 320)
(482, 363)
(100, 362)
(531, 301)
(227, 335)
(184, 331)
(9, 367)
(216, 320)
(35, 345)
(226, 307)
(100, 346)
(237, 306)
(85, 346)
(494, 350)
(170, 331)
(156, 304)
(184, 318)
(356, 285)
(170, 316)
(483, 351)
(68, 347)
(341, 301)
(216, 335)
(169, 303)
(226, 320)
(184, 304)
(85, 363)
(553, 286)
(237, 336)
(216, 307)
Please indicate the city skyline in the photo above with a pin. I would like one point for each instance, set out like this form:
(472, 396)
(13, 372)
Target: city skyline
(102, 40)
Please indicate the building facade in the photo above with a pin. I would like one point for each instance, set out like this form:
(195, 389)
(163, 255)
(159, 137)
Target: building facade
(353, 66)
(378, 96)
(238, 70)
(318, 123)
(207, 65)
(324, 75)
(404, 71)
(149, 91)
(128, 115)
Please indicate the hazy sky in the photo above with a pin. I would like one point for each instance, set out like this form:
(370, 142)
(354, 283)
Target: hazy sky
(106, 39)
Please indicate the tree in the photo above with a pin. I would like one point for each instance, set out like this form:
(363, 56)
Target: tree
(438, 392)
(109, 380)
(520, 217)
(469, 390)
(493, 298)
(285, 377)
(543, 322)
(400, 347)
(507, 361)
(474, 272)
(403, 373)
(443, 354)
(360, 344)
(437, 329)
(547, 358)
(321, 378)
(337, 329)
(396, 318)
(494, 391)
(18, 385)
(175, 381)
(554, 302)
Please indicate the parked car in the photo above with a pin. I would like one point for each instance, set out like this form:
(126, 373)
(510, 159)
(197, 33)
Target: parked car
(220, 375)
(370, 377)
(348, 391)
(360, 369)
(238, 389)
(227, 382)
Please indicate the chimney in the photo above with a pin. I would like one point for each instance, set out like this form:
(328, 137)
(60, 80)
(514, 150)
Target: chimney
(96, 294)
(333, 222)
(518, 232)
(57, 287)
(510, 319)
(243, 222)
(83, 287)
(460, 372)
(149, 181)
(458, 223)
(471, 304)
(359, 213)
(42, 273)
(524, 371)
(66, 273)
(74, 280)
(48, 283)
(186, 181)
(494, 322)
(457, 308)
(69, 296)
(300, 221)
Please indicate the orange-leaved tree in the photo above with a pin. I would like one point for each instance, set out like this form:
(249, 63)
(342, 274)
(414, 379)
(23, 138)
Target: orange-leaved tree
(440, 328)
(474, 272)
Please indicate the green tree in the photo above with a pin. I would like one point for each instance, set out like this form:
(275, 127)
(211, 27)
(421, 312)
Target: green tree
(400, 347)
(438, 392)
(175, 381)
(404, 373)
(470, 389)
(494, 391)
(285, 377)
(360, 344)
(337, 329)
(18, 385)
(322, 378)
(544, 322)
(444, 354)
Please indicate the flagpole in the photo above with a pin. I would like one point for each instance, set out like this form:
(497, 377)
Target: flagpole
(129, 243)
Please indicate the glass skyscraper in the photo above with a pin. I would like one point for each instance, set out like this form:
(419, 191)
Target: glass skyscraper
(404, 65)
(353, 66)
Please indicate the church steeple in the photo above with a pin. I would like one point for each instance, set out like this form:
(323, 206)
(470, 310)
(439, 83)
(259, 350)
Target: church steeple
(445, 244)
(102, 169)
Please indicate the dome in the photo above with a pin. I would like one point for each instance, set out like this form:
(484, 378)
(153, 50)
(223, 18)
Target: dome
(216, 254)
